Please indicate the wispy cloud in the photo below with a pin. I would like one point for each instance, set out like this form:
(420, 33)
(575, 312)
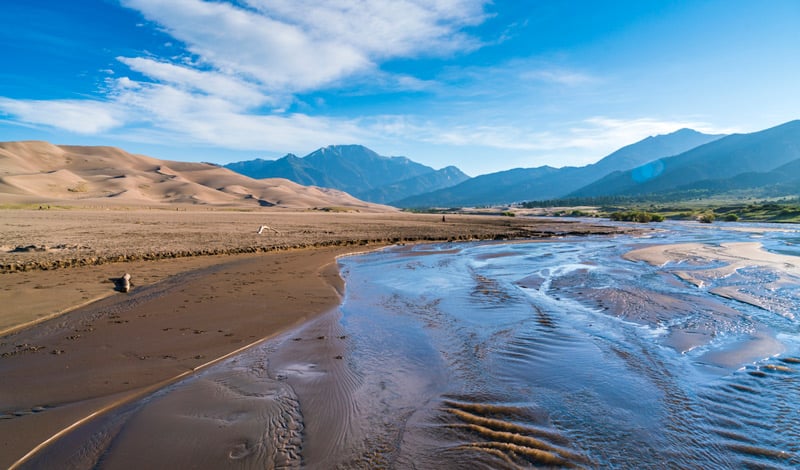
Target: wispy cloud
(519, 78)
(164, 112)
(209, 119)
(243, 63)
(382, 28)
(558, 76)
(277, 55)
(579, 143)
(611, 133)
(295, 46)
(211, 83)
(79, 116)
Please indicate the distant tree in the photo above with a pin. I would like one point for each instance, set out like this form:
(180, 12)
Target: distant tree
(731, 218)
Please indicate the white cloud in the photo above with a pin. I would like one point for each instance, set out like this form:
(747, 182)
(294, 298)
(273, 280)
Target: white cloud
(159, 113)
(558, 76)
(382, 28)
(609, 133)
(278, 55)
(577, 143)
(247, 59)
(207, 82)
(211, 120)
(305, 45)
(79, 116)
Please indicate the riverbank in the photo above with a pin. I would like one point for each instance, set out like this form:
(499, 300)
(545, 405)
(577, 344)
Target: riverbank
(206, 284)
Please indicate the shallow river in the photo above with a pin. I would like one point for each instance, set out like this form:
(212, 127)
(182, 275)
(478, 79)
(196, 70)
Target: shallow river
(558, 353)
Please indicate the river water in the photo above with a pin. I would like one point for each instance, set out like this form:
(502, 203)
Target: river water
(565, 354)
(557, 353)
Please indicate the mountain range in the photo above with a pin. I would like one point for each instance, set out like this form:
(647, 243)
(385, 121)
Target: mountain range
(685, 162)
(541, 183)
(356, 170)
(738, 161)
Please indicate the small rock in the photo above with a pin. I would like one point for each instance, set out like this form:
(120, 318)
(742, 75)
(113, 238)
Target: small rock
(126, 283)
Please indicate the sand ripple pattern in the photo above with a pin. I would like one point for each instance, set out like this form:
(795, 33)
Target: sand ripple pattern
(748, 418)
(509, 436)
(566, 355)
(234, 418)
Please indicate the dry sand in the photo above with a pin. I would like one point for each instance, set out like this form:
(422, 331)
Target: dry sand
(205, 285)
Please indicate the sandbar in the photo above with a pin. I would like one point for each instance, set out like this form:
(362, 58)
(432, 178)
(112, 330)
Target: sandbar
(733, 256)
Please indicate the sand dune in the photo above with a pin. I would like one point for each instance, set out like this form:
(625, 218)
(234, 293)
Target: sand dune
(43, 173)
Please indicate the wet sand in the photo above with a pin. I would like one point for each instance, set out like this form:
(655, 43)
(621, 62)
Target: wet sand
(732, 256)
(206, 285)
(120, 346)
(701, 266)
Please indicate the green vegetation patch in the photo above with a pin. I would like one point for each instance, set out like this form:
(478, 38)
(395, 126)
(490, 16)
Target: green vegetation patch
(709, 210)
(636, 216)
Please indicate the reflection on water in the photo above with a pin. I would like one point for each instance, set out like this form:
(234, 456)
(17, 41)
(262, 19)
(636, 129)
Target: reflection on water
(542, 354)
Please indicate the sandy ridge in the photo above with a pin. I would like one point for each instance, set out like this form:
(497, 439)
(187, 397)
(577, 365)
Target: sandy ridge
(33, 172)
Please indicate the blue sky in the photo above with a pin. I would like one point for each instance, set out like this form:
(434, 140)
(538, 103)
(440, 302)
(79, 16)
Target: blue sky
(482, 85)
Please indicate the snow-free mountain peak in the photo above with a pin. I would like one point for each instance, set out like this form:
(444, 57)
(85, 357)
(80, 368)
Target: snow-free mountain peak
(355, 169)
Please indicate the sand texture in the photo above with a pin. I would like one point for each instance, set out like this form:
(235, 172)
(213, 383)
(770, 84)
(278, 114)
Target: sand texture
(205, 284)
(41, 173)
(733, 256)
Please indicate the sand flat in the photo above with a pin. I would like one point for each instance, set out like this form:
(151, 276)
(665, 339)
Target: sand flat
(735, 256)
(128, 342)
(35, 296)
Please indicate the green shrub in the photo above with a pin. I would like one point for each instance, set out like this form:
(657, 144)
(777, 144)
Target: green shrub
(731, 218)
(636, 216)
(706, 217)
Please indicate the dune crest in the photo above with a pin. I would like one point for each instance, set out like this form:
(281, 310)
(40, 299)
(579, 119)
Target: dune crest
(33, 172)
